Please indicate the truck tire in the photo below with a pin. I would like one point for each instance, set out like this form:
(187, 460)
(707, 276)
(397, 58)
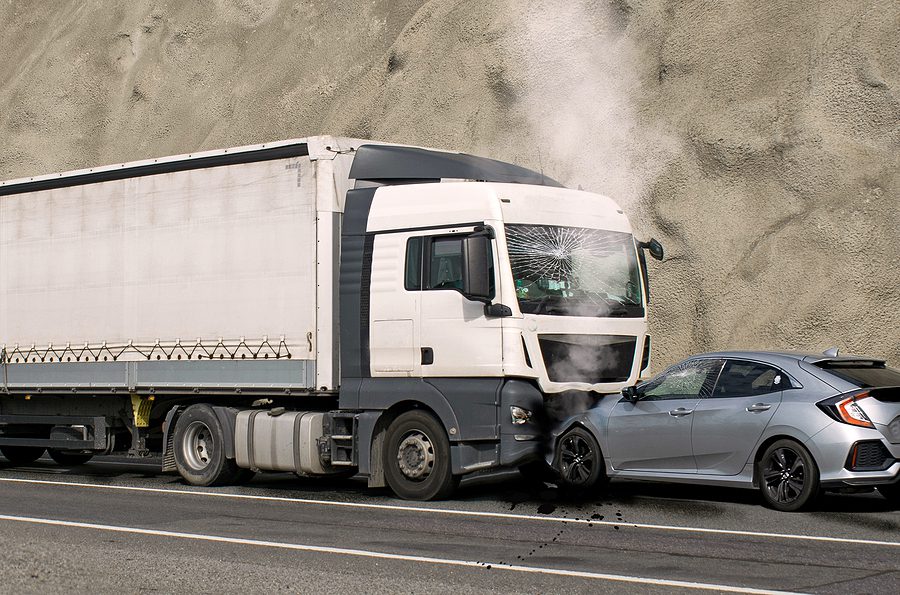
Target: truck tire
(200, 449)
(21, 455)
(417, 458)
(69, 457)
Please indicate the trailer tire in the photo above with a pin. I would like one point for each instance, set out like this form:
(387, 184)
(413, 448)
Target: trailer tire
(22, 455)
(417, 458)
(69, 457)
(199, 446)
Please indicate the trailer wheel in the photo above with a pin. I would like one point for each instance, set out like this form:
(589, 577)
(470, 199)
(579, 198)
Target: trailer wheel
(21, 455)
(70, 457)
(200, 448)
(417, 458)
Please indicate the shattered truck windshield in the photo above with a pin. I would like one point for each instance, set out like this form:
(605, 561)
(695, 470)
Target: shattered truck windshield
(574, 271)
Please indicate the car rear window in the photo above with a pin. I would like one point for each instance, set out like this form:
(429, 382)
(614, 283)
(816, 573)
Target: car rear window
(864, 375)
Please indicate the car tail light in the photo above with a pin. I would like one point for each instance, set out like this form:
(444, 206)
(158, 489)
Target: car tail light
(845, 408)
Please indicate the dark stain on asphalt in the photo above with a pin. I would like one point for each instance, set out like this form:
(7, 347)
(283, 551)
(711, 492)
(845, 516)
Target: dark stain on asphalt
(546, 508)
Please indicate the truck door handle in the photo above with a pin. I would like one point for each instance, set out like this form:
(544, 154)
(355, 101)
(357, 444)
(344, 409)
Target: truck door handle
(759, 407)
(427, 356)
(680, 412)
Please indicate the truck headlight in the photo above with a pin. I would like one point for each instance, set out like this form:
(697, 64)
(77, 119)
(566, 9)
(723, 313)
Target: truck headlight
(519, 416)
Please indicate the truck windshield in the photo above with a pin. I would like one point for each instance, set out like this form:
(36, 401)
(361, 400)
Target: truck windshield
(574, 271)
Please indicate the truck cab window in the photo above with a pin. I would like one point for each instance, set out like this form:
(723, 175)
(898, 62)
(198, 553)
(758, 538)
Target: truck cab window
(436, 262)
(445, 263)
(412, 278)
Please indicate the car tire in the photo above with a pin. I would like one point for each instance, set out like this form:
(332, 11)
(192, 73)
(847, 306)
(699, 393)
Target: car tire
(200, 449)
(891, 492)
(578, 460)
(417, 458)
(21, 455)
(788, 476)
(69, 458)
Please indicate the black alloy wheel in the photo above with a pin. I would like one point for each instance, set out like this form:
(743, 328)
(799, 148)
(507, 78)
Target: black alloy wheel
(788, 476)
(578, 459)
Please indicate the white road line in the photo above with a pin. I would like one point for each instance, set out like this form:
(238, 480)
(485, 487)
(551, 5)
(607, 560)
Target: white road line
(470, 513)
(388, 556)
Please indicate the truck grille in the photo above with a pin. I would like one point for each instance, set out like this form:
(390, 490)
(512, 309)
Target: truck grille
(588, 358)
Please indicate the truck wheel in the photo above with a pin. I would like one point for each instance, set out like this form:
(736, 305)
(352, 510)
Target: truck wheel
(21, 455)
(417, 458)
(200, 448)
(69, 457)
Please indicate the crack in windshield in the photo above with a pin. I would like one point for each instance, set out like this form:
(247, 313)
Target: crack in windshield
(574, 271)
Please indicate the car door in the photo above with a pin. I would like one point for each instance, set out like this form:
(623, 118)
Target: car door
(728, 423)
(653, 433)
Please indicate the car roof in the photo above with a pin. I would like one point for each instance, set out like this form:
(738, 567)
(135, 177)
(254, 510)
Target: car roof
(785, 357)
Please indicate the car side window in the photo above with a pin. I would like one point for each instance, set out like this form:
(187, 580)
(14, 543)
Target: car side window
(743, 379)
(687, 380)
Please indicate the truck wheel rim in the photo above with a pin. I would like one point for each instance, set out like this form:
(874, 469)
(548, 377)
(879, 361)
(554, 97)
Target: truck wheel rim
(416, 456)
(785, 475)
(197, 446)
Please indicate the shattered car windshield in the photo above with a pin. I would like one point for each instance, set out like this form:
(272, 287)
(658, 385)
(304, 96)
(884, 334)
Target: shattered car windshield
(574, 271)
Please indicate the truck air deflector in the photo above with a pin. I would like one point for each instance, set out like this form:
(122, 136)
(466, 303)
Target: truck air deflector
(122, 173)
(386, 164)
(355, 274)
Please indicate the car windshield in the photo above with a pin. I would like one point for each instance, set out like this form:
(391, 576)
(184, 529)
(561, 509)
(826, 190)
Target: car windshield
(574, 271)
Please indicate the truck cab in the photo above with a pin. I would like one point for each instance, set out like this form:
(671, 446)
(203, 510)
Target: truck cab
(486, 299)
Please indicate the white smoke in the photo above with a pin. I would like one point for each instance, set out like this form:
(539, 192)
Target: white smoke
(583, 77)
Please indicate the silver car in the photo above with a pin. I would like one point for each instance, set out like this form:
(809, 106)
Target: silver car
(788, 424)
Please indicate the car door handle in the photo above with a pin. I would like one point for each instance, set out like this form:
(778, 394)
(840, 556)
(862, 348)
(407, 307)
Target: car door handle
(759, 407)
(680, 412)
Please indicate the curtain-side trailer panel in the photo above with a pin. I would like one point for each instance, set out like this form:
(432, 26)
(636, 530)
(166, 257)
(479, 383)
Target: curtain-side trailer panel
(188, 268)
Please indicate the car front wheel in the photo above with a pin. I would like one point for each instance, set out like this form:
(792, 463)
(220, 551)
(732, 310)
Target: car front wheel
(578, 459)
(788, 476)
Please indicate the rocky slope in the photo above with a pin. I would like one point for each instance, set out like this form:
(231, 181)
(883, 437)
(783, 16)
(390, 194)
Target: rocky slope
(759, 141)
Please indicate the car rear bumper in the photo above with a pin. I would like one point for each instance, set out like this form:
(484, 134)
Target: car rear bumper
(833, 450)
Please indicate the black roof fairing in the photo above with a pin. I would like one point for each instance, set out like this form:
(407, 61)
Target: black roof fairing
(400, 164)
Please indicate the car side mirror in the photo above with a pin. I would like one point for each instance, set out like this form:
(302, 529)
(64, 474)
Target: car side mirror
(476, 270)
(630, 393)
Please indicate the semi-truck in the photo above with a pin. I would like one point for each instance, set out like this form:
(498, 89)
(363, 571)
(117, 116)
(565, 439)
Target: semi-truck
(322, 306)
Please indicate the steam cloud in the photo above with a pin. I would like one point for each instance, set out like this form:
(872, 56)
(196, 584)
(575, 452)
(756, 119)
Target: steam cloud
(583, 98)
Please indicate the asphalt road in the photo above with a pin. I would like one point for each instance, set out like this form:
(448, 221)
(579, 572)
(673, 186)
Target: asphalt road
(111, 526)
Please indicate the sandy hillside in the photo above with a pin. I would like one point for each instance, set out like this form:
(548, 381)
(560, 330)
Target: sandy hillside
(760, 141)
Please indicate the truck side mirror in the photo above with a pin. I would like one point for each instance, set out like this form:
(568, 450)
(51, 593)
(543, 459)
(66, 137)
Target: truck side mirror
(476, 269)
(653, 247)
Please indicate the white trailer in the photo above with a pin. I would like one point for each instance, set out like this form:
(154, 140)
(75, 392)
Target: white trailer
(319, 305)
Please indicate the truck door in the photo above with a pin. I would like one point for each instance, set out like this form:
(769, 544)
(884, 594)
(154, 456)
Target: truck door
(395, 297)
(457, 340)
